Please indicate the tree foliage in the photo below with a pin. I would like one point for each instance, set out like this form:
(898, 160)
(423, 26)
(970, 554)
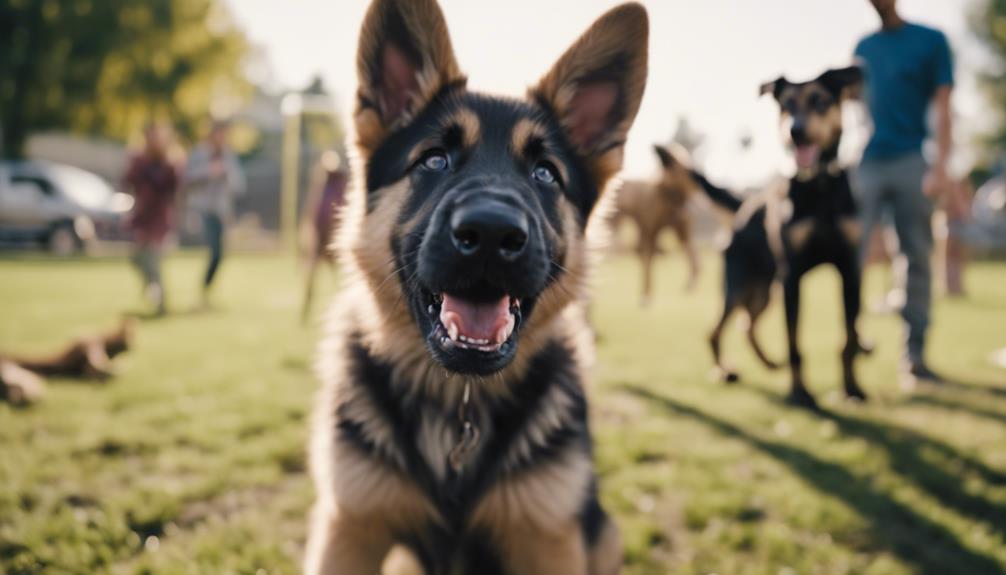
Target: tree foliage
(989, 23)
(104, 67)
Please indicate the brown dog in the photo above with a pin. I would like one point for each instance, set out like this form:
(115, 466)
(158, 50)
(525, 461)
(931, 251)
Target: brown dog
(22, 377)
(659, 206)
(453, 416)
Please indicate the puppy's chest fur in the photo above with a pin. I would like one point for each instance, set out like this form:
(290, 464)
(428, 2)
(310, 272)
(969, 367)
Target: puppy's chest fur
(537, 427)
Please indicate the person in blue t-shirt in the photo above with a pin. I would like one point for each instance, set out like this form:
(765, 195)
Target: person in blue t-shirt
(909, 70)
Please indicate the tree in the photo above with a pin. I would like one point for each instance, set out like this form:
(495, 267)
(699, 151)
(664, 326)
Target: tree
(104, 67)
(989, 24)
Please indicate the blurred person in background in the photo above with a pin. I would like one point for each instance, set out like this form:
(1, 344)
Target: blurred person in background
(909, 68)
(213, 180)
(326, 196)
(152, 178)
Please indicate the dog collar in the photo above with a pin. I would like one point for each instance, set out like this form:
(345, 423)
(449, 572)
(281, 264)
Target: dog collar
(469, 433)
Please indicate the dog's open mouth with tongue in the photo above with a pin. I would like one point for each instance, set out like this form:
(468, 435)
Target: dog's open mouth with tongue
(474, 334)
(807, 156)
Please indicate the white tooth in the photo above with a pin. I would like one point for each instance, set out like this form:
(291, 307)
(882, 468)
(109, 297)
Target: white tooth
(452, 330)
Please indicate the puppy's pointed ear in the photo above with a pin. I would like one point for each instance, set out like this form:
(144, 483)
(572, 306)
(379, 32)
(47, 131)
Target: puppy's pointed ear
(843, 82)
(404, 59)
(666, 159)
(595, 88)
(775, 87)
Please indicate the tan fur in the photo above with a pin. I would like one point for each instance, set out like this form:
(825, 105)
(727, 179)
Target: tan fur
(825, 129)
(18, 386)
(798, 233)
(546, 498)
(852, 229)
(525, 131)
(534, 552)
(606, 556)
(468, 122)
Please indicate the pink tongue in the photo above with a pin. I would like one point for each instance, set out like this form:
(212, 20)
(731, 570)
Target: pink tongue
(806, 156)
(475, 320)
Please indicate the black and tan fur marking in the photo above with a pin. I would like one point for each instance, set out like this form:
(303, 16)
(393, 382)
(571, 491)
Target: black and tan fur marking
(398, 387)
(790, 229)
(90, 357)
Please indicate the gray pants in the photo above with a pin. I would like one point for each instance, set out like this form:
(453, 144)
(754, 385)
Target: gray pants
(896, 185)
(147, 259)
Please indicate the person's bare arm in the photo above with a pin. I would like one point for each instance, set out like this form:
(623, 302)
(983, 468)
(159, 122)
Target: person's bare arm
(937, 182)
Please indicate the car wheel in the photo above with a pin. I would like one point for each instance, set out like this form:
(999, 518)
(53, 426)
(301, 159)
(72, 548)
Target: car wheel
(63, 241)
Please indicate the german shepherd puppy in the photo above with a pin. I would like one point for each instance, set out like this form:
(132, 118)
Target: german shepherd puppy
(453, 416)
(786, 232)
(656, 207)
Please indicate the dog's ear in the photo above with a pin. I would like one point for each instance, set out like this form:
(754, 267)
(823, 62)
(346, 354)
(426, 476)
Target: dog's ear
(404, 59)
(843, 82)
(596, 87)
(666, 159)
(775, 87)
(673, 155)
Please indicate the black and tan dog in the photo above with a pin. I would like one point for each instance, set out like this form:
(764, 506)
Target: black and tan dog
(453, 417)
(787, 231)
(22, 376)
(657, 206)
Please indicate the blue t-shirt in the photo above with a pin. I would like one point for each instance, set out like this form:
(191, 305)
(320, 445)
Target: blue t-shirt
(904, 67)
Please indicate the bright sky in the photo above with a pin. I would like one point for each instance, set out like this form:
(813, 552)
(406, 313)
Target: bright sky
(707, 58)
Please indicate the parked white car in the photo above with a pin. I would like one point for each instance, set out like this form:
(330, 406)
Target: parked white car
(59, 207)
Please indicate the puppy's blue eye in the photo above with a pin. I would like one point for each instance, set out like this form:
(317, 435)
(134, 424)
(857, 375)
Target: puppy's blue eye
(544, 172)
(435, 161)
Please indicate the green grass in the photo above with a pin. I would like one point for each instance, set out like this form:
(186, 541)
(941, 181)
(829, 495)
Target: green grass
(191, 460)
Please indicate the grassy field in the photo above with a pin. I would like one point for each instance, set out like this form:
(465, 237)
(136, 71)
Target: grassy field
(191, 460)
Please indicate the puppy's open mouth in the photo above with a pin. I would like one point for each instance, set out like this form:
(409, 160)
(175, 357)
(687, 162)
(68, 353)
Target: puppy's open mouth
(807, 155)
(460, 323)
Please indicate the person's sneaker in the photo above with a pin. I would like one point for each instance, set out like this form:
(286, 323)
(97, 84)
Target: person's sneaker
(155, 295)
(917, 372)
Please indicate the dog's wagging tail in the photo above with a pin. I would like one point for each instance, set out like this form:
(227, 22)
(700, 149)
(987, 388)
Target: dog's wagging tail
(452, 421)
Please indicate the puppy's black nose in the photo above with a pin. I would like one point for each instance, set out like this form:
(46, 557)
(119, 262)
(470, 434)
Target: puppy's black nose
(798, 131)
(489, 228)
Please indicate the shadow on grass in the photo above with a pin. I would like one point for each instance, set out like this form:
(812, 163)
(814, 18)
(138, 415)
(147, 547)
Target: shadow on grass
(172, 313)
(927, 546)
(973, 387)
(940, 474)
(950, 404)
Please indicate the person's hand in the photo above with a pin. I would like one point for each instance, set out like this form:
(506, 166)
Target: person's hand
(936, 182)
(217, 169)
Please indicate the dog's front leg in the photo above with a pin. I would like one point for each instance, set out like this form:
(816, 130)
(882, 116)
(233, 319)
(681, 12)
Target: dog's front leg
(529, 551)
(342, 545)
